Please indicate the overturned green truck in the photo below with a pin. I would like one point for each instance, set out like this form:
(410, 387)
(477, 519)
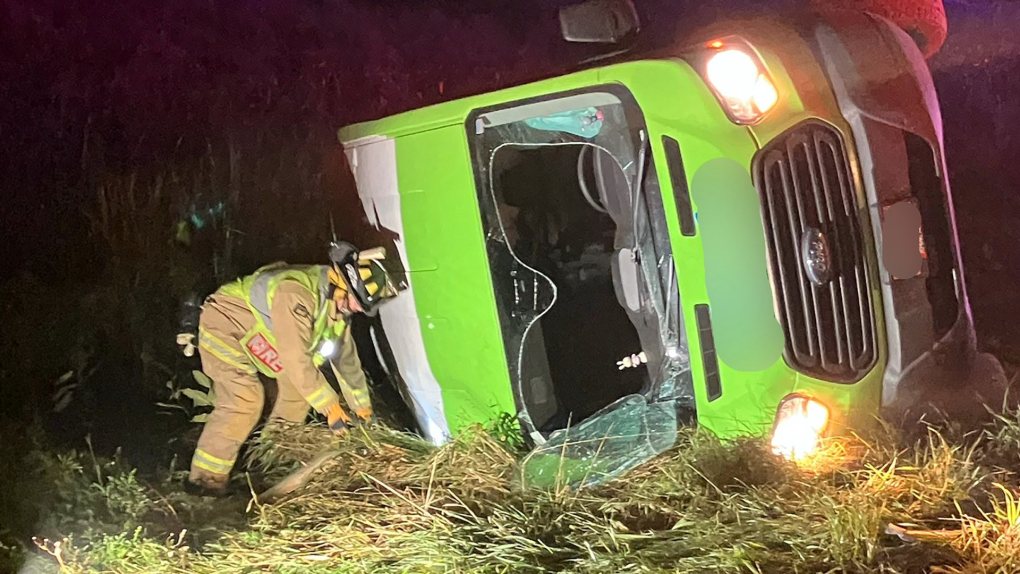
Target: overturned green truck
(555, 266)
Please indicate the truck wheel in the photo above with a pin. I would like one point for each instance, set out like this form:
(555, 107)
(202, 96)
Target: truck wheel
(923, 20)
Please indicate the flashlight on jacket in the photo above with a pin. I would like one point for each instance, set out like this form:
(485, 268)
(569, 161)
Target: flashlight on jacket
(327, 349)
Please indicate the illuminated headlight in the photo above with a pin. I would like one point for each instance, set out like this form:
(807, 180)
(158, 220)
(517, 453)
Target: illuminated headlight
(739, 80)
(327, 348)
(800, 422)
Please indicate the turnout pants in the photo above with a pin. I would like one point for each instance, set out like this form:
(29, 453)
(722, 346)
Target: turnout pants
(240, 395)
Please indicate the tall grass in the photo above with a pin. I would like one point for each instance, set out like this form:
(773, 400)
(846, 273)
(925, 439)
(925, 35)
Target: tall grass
(392, 503)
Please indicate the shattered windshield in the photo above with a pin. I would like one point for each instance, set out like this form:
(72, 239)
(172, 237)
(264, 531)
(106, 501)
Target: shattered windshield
(582, 268)
(628, 433)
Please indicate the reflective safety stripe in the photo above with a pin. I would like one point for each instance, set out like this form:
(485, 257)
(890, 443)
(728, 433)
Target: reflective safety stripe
(259, 296)
(225, 354)
(356, 391)
(213, 464)
(218, 344)
(359, 395)
(357, 398)
(320, 319)
(321, 398)
(358, 402)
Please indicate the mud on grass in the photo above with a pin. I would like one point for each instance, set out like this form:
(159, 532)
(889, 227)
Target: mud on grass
(392, 503)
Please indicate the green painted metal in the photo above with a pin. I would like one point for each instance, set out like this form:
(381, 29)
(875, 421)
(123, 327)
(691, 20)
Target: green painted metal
(453, 293)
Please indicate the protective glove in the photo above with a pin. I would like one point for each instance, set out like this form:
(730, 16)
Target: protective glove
(338, 420)
(186, 341)
(367, 417)
(632, 361)
(188, 318)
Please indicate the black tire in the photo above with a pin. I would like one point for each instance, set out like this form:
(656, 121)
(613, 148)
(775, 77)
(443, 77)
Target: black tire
(923, 20)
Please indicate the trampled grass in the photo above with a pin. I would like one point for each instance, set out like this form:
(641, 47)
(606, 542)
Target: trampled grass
(392, 504)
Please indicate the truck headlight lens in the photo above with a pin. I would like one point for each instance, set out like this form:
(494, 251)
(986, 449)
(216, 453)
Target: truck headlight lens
(740, 82)
(765, 95)
(800, 422)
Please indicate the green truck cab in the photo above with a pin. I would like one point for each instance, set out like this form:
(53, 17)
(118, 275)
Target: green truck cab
(555, 266)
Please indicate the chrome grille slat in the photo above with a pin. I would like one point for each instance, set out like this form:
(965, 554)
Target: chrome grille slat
(837, 289)
(779, 250)
(804, 173)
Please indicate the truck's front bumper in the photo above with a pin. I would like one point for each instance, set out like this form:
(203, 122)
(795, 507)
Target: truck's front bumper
(885, 94)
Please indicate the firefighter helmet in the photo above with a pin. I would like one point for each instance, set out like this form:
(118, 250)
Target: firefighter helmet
(360, 273)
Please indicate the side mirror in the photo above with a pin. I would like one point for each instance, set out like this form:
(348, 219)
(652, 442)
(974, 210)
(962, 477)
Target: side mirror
(599, 21)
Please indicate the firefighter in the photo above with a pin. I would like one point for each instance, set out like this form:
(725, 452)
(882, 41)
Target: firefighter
(283, 322)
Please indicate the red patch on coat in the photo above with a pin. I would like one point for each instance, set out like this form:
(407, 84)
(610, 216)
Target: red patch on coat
(266, 353)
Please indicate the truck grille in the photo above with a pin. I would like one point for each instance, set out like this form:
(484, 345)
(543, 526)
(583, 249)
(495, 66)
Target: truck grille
(804, 180)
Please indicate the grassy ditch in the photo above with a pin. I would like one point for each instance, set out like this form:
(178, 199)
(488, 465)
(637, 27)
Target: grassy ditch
(944, 502)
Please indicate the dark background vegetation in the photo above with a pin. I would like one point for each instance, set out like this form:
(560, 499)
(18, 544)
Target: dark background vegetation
(119, 121)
